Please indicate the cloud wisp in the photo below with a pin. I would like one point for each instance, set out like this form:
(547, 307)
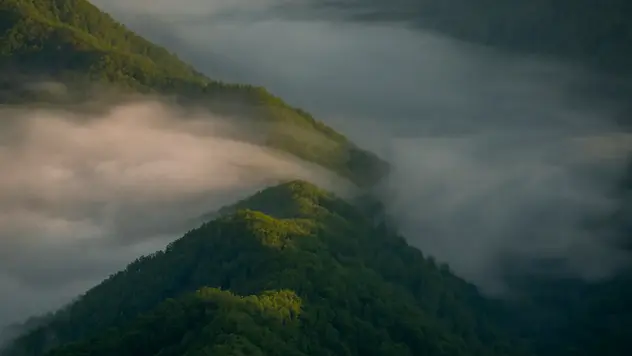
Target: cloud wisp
(494, 155)
(80, 196)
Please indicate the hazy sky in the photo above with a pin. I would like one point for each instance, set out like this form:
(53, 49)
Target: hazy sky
(491, 152)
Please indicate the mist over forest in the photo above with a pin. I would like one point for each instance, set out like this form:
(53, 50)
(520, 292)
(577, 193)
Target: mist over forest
(505, 157)
(482, 135)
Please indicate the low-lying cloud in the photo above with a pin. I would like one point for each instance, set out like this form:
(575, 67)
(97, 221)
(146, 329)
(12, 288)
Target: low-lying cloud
(83, 195)
(495, 156)
(487, 205)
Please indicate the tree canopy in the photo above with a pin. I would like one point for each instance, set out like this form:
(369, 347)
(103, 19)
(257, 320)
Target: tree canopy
(73, 42)
(317, 277)
(292, 270)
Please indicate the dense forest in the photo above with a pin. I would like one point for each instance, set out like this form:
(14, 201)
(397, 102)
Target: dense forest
(317, 277)
(73, 42)
(292, 270)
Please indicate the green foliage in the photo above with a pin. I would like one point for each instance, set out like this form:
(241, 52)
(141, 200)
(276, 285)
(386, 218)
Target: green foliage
(293, 270)
(347, 287)
(301, 200)
(209, 321)
(73, 42)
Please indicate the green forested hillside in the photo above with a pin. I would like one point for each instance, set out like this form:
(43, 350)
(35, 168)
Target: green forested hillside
(292, 270)
(315, 278)
(208, 322)
(74, 42)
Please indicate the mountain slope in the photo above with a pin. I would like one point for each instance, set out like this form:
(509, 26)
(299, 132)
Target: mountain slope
(73, 42)
(210, 322)
(361, 290)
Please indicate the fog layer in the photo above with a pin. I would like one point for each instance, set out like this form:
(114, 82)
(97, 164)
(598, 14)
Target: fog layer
(494, 155)
(497, 157)
(81, 197)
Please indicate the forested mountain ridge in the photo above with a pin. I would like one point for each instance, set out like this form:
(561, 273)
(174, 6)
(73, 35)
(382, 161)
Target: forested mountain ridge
(292, 270)
(73, 42)
(319, 279)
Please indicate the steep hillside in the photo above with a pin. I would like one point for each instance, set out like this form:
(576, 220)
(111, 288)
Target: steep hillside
(73, 42)
(317, 278)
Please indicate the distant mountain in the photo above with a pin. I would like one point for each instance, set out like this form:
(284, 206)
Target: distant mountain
(304, 274)
(570, 316)
(73, 42)
(596, 32)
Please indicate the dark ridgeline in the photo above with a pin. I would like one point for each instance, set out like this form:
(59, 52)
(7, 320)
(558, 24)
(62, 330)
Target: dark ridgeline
(595, 32)
(304, 273)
